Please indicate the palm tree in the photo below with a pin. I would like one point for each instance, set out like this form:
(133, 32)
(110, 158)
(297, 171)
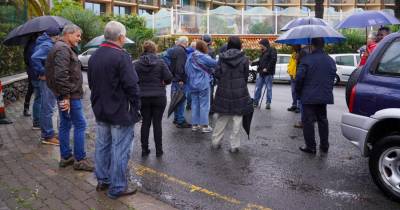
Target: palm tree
(319, 8)
(35, 8)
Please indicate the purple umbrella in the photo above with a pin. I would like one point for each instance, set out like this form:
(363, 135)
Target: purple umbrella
(368, 18)
(303, 21)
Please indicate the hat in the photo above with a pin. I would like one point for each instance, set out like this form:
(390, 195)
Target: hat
(206, 38)
(264, 42)
(53, 31)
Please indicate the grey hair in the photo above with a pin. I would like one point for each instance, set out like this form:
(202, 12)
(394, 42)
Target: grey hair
(193, 44)
(70, 29)
(113, 30)
(182, 40)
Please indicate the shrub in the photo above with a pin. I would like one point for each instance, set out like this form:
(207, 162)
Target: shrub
(261, 28)
(11, 59)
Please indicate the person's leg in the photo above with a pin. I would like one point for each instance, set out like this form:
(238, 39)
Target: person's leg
(64, 135)
(323, 127)
(235, 138)
(308, 126)
(28, 98)
(158, 110)
(204, 105)
(188, 99)
(79, 123)
(294, 96)
(122, 143)
(258, 91)
(36, 104)
(220, 125)
(46, 112)
(145, 110)
(180, 109)
(102, 152)
(195, 108)
(268, 83)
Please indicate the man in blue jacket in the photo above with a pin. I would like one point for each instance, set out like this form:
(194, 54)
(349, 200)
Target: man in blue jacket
(44, 43)
(314, 85)
(115, 102)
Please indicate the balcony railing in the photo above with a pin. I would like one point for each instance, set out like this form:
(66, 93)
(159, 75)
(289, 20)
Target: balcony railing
(308, 1)
(283, 2)
(234, 1)
(389, 1)
(368, 1)
(166, 3)
(127, 1)
(148, 2)
(250, 2)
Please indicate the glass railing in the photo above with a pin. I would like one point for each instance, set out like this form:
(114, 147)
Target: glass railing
(368, 1)
(148, 2)
(234, 1)
(250, 2)
(128, 1)
(166, 3)
(308, 1)
(389, 1)
(283, 2)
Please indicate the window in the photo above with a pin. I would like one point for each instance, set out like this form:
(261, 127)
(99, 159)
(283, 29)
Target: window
(95, 7)
(345, 60)
(390, 61)
(283, 59)
(120, 10)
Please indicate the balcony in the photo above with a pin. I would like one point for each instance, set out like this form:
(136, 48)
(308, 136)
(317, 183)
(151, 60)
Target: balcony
(389, 2)
(148, 2)
(166, 3)
(126, 1)
(308, 2)
(234, 1)
(367, 2)
(341, 2)
(257, 2)
(283, 2)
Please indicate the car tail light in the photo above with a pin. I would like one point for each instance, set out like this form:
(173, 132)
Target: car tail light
(352, 99)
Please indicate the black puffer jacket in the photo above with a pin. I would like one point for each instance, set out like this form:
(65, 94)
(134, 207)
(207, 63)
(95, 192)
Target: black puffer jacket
(153, 75)
(268, 60)
(232, 96)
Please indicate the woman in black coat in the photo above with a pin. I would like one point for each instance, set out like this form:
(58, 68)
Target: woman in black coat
(154, 75)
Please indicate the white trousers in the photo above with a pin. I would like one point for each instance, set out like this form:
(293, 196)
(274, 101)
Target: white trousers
(220, 125)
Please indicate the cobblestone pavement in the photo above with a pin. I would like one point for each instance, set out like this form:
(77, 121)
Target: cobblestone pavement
(31, 179)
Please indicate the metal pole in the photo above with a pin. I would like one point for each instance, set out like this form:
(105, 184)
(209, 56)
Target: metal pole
(276, 21)
(208, 20)
(172, 20)
(154, 22)
(242, 20)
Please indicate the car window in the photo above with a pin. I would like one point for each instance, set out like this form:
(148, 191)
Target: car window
(390, 61)
(90, 52)
(358, 59)
(283, 59)
(345, 60)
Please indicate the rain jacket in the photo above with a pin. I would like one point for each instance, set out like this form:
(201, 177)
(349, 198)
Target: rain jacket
(232, 96)
(178, 60)
(42, 49)
(198, 68)
(292, 66)
(153, 75)
(28, 52)
(267, 60)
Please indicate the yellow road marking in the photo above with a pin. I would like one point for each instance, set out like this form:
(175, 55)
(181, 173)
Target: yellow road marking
(142, 170)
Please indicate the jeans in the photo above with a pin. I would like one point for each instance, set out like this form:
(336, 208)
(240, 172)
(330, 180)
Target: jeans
(200, 107)
(180, 109)
(295, 101)
(76, 118)
(48, 104)
(220, 126)
(114, 145)
(261, 80)
(152, 112)
(36, 103)
(315, 113)
(188, 97)
(28, 95)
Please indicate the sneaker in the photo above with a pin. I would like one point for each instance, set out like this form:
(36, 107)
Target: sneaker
(26, 113)
(175, 122)
(268, 106)
(35, 127)
(234, 150)
(184, 125)
(207, 129)
(297, 110)
(51, 141)
(83, 165)
(298, 125)
(292, 109)
(66, 162)
(159, 153)
(145, 152)
(215, 146)
(195, 128)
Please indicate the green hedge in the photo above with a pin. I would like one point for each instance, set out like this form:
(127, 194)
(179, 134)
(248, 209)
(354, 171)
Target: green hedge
(11, 58)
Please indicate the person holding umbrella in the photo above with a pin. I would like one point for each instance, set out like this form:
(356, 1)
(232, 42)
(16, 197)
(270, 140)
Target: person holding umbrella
(382, 32)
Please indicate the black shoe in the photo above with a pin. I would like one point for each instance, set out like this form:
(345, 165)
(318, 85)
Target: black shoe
(188, 107)
(127, 192)
(184, 125)
(308, 150)
(297, 110)
(102, 187)
(159, 153)
(234, 150)
(145, 152)
(324, 149)
(26, 113)
(175, 122)
(292, 109)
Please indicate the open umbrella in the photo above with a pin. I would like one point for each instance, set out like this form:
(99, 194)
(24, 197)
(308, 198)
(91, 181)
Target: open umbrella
(21, 34)
(303, 21)
(176, 98)
(95, 42)
(303, 34)
(366, 19)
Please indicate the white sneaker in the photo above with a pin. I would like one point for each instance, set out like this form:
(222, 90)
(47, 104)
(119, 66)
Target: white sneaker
(195, 128)
(207, 129)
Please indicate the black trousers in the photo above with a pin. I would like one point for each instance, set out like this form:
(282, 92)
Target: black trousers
(152, 112)
(315, 113)
(28, 94)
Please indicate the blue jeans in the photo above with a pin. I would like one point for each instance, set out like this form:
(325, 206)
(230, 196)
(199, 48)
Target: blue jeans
(188, 97)
(36, 103)
(200, 107)
(180, 110)
(267, 80)
(47, 106)
(114, 145)
(295, 101)
(76, 118)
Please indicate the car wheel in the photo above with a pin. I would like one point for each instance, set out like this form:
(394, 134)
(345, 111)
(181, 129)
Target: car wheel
(384, 166)
(351, 82)
(252, 77)
(336, 80)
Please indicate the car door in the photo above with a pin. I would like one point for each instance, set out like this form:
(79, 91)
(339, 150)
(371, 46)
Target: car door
(283, 63)
(345, 65)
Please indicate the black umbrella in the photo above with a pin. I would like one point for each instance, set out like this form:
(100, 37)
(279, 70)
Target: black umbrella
(246, 121)
(21, 34)
(177, 97)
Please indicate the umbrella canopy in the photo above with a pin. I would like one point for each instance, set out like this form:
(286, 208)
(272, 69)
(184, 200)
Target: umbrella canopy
(368, 18)
(246, 122)
(303, 21)
(21, 34)
(178, 97)
(303, 34)
(95, 42)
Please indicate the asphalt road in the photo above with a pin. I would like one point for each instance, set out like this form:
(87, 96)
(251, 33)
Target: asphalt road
(269, 172)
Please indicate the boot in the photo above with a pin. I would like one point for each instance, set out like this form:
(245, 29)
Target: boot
(26, 110)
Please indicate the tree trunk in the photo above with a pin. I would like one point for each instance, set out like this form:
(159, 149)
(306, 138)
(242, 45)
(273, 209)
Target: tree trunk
(319, 8)
(397, 8)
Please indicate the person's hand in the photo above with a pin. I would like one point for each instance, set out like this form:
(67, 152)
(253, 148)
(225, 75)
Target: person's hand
(181, 83)
(42, 77)
(64, 105)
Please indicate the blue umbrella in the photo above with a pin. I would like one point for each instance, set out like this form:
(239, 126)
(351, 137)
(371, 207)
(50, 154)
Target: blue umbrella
(303, 34)
(95, 42)
(303, 21)
(368, 18)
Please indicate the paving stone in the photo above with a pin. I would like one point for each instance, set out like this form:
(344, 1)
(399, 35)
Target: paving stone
(54, 203)
(76, 204)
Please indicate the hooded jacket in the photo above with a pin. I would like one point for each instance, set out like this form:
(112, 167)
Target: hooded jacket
(153, 75)
(42, 48)
(232, 96)
(199, 67)
(268, 60)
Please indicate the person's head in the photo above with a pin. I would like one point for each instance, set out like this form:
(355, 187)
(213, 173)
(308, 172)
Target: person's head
(207, 39)
(371, 38)
(149, 47)
(182, 41)
(115, 32)
(296, 48)
(71, 35)
(234, 42)
(53, 33)
(202, 46)
(264, 44)
(382, 32)
(317, 43)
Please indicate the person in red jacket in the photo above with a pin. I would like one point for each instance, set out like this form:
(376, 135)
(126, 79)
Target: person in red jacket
(382, 32)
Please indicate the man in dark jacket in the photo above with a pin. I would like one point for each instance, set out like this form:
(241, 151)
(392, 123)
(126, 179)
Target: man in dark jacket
(178, 61)
(115, 103)
(33, 84)
(232, 98)
(266, 71)
(64, 78)
(314, 85)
